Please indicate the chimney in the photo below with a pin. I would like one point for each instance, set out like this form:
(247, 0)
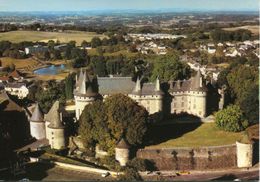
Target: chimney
(157, 84)
(200, 81)
(138, 85)
(171, 84)
(179, 84)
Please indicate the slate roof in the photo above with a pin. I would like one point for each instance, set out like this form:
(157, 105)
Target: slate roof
(89, 86)
(53, 116)
(108, 86)
(85, 85)
(148, 89)
(37, 115)
(192, 84)
(122, 144)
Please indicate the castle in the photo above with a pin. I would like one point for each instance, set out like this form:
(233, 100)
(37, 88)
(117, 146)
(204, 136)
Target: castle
(187, 96)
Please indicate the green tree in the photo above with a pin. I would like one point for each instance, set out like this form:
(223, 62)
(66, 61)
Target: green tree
(53, 92)
(170, 69)
(231, 119)
(104, 123)
(250, 105)
(95, 42)
(69, 86)
(241, 79)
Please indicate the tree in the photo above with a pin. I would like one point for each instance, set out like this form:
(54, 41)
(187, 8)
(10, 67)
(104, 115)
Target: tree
(170, 69)
(53, 92)
(250, 105)
(95, 42)
(240, 80)
(99, 65)
(69, 86)
(104, 123)
(231, 119)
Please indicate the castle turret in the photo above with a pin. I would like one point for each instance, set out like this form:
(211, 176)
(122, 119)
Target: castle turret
(122, 152)
(55, 130)
(198, 95)
(37, 125)
(84, 93)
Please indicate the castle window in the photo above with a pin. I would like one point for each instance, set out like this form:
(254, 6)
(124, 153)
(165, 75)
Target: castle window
(200, 113)
(194, 106)
(182, 104)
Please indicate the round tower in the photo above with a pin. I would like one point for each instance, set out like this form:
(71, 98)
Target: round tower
(122, 152)
(37, 125)
(55, 130)
(198, 96)
(84, 93)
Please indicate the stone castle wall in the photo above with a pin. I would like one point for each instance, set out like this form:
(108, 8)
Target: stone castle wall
(191, 158)
(190, 102)
(152, 103)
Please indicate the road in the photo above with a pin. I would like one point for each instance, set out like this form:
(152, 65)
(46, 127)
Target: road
(50, 172)
(209, 176)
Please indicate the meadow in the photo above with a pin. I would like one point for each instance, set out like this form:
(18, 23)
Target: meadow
(63, 37)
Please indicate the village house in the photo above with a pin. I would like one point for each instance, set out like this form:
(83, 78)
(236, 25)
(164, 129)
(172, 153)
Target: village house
(36, 49)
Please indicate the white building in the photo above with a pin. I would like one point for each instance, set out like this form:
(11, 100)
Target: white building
(18, 89)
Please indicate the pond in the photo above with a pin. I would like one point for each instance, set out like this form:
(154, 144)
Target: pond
(50, 70)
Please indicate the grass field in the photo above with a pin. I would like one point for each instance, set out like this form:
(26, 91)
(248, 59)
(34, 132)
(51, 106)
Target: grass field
(93, 52)
(192, 135)
(66, 36)
(253, 28)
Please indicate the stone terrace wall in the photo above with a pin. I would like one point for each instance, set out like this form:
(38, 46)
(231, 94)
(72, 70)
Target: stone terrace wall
(191, 158)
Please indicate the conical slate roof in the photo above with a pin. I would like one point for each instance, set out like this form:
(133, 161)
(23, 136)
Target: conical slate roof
(85, 86)
(197, 83)
(53, 116)
(122, 144)
(37, 115)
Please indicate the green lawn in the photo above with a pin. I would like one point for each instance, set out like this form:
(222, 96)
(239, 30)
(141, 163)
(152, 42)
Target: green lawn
(66, 36)
(191, 135)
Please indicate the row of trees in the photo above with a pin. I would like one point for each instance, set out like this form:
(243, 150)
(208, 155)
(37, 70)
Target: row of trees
(238, 35)
(242, 84)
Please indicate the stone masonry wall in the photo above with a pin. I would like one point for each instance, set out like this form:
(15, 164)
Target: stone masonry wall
(191, 158)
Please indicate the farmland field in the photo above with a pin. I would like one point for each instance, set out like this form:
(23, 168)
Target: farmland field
(66, 36)
(253, 28)
(19, 63)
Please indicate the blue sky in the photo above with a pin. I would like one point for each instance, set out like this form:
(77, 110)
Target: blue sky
(85, 5)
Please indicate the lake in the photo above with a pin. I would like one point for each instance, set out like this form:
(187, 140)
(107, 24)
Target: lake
(50, 70)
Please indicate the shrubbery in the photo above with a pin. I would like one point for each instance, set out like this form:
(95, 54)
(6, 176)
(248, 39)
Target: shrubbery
(231, 119)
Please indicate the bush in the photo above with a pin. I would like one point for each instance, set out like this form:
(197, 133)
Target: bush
(111, 163)
(231, 119)
(130, 174)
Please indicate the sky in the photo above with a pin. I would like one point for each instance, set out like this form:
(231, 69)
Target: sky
(87, 5)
